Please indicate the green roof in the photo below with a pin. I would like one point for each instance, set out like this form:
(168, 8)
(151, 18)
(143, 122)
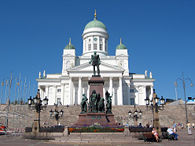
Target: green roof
(69, 46)
(95, 23)
(121, 46)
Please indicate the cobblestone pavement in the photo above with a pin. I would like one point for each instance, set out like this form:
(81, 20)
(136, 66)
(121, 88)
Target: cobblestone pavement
(90, 140)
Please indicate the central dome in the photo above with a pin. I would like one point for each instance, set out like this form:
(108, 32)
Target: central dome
(95, 23)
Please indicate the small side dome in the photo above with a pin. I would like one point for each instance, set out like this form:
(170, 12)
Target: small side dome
(121, 46)
(69, 46)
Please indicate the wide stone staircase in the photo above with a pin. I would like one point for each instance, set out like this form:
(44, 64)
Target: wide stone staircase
(20, 116)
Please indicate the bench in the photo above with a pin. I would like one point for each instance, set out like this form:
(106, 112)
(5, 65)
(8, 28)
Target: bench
(149, 137)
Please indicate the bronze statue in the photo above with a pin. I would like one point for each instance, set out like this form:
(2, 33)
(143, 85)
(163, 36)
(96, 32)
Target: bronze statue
(95, 61)
(101, 107)
(108, 103)
(84, 104)
(93, 102)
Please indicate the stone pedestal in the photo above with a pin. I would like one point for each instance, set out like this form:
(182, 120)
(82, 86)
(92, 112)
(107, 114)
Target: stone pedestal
(101, 119)
(96, 83)
(96, 120)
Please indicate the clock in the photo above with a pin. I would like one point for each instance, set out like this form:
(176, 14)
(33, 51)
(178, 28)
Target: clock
(95, 39)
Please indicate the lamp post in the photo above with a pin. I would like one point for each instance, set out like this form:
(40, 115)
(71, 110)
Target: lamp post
(56, 114)
(37, 104)
(183, 79)
(135, 115)
(155, 107)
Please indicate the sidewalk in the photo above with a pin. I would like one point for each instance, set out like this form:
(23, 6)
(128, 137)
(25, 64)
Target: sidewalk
(123, 140)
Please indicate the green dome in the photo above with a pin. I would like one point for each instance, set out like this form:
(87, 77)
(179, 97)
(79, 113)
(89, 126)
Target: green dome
(69, 46)
(121, 46)
(95, 23)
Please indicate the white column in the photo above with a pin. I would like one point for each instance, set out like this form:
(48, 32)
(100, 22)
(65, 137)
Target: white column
(120, 97)
(62, 94)
(70, 91)
(128, 93)
(47, 91)
(104, 44)
(55, 95)
(151, 92)
(111, 90)
(79, 90)
(113, 97)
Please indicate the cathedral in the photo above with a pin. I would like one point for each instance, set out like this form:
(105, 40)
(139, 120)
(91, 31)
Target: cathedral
(67, 87)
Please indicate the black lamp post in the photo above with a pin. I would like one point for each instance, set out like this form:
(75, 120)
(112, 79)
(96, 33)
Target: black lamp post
(183, 79)
(56, 114)
(37, 104)
(155, 106)
(135, 115)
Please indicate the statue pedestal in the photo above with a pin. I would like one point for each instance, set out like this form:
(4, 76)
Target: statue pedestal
(96, 122)
(102, 119)
(96, 83)
(95, 119)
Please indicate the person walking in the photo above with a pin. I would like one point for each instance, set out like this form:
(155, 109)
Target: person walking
(189, 129)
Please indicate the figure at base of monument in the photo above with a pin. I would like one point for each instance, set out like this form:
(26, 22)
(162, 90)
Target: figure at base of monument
(93, 102)
(108, 103)
(84, 104)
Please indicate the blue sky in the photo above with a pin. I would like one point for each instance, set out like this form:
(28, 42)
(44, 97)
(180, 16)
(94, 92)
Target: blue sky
(159, 35)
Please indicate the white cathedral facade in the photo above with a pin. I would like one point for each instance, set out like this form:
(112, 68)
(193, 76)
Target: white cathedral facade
(67, 87)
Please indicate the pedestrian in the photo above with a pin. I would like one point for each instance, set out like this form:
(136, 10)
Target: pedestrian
(193, 125)
(174, 127)
(189, 129)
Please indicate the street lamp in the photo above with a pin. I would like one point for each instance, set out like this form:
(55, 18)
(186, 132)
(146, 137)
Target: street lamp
(183, 79)
(37, 104)
(155, 106)
(56, 114)
(135, 115)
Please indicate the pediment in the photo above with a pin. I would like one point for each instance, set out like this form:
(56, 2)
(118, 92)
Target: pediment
(104, 67)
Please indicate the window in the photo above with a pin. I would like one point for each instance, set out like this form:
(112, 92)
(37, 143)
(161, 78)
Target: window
(132, 90)
(95, 46)
(101, 46)
(100, 39)
(59, 90)
(89, 46)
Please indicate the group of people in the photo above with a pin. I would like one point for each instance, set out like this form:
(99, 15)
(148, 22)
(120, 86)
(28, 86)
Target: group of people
(172, 131)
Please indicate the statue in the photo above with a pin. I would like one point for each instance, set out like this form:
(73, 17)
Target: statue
(93, 102)
(101, 107)
(95, 61)
(98, 100)
(84, 104)
(108, 103)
